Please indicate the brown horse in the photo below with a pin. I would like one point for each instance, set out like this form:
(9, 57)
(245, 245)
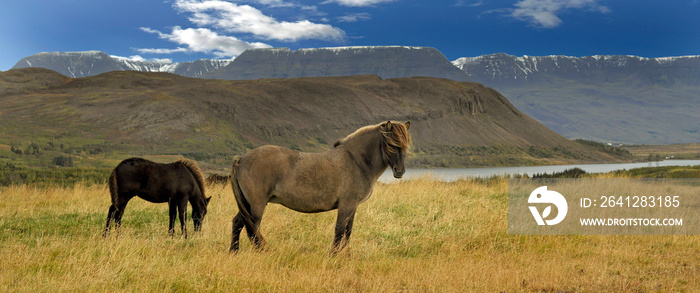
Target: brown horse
(218, 179)
(175, 183)
(340, 178)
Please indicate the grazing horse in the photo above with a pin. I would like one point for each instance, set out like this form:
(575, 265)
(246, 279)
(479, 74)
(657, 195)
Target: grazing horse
(175, 183)
(218, 179)
(340, 178)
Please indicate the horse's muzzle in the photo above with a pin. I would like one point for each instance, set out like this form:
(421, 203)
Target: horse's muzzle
(398, 173)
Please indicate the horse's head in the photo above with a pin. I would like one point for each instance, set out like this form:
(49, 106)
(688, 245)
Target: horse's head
(396, 143)
(199, 212)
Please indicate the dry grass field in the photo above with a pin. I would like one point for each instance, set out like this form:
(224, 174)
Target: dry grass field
(418, 236)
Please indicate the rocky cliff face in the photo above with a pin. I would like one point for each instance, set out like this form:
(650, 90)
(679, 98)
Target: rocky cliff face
(386, 62)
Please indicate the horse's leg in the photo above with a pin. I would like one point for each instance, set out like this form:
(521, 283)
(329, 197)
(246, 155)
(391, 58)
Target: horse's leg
(236, 232)
(348, 228)
(182, 211)
(197, 219)
(110, 216)
(172, 213)
(343, 228)
(119, 211)
(253, 228)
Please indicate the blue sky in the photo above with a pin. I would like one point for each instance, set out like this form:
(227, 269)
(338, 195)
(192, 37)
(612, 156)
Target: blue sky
(185, 30)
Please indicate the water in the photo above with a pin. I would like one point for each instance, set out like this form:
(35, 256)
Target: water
(455, 174)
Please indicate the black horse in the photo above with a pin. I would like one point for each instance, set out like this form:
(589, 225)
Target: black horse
(175, 183)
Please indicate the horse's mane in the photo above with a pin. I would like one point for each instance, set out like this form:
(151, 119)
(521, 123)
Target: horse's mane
(396, 137)
(196, 172)
(358, 132)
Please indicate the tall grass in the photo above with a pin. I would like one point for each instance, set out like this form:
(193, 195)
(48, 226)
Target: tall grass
(418, 235)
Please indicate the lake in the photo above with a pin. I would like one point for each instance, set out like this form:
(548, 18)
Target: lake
(457, 173)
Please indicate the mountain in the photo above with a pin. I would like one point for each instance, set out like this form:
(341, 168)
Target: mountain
(502, 70)
(386, 62)
(196, 68)
(124, 113)
(619, 99)
(88, 63)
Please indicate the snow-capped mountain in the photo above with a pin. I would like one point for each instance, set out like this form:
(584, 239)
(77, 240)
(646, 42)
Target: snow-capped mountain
(502, 70)
(626, 99)
(619, 99)
(384, 61)
(87, 63)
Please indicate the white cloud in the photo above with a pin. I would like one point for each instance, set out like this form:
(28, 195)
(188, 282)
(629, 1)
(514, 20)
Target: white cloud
(357, 3)
(201, 40)
(469, 3)
(276, 3)
(354, 17)
(234, 18)
(544, 13)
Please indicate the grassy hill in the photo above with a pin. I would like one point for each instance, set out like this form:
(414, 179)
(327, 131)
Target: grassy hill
(49, 120)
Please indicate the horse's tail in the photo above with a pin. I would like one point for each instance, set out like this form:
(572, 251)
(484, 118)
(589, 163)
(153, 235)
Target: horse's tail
(243, 205)
(113, 186)
(196, 173)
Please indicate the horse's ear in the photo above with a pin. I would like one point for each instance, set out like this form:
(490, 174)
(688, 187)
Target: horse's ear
(388, 126)
(337, 143)
(207, 200)
(408, 125)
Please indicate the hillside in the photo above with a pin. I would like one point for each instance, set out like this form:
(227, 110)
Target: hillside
(125, 113)
(619, 99)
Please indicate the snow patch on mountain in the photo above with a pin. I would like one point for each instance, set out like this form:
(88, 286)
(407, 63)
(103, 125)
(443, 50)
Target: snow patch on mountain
(503, 67)
(87, 63)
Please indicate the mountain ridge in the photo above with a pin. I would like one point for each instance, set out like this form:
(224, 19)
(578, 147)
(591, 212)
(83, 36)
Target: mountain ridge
(609, 98)
(384, 61)
(503, 70)
(89, 63)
